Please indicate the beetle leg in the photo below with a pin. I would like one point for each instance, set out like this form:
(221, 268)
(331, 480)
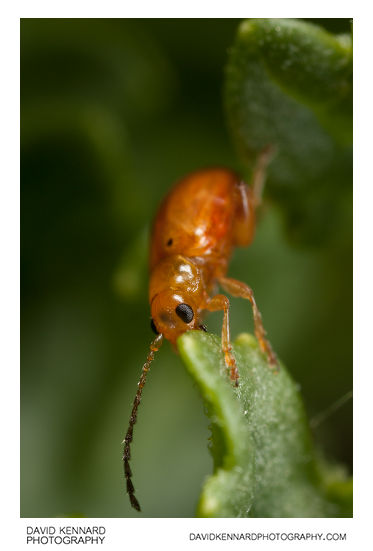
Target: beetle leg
(221, 302)
(248, 198)
(259, 173)
(239, 289)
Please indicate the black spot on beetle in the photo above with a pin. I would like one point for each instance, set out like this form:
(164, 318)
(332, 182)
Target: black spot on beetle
(169, 242)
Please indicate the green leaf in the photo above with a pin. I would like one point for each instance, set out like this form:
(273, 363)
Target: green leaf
(289, 83)
(265, 464)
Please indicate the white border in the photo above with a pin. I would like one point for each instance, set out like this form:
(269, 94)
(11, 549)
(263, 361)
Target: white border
(190, 9)
(174, 533)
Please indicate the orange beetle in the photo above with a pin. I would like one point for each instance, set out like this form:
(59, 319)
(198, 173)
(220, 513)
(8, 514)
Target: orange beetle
(201, 220)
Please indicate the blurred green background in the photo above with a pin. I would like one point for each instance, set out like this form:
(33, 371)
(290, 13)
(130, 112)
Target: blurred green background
(112, 113)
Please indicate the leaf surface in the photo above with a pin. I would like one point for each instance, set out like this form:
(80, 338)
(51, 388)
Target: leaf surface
(289, 84)
(265, 464)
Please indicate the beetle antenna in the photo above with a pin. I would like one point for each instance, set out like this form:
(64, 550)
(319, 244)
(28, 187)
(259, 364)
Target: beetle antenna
(154, 347)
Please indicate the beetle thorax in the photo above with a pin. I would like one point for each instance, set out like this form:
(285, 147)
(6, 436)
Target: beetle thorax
(176, 292)
(178, 273)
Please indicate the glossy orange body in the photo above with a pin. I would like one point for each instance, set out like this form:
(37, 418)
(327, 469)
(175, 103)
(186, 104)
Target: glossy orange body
(202, 218)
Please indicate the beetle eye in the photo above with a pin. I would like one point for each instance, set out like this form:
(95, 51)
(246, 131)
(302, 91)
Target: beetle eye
(154, 329)
(185, 312)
